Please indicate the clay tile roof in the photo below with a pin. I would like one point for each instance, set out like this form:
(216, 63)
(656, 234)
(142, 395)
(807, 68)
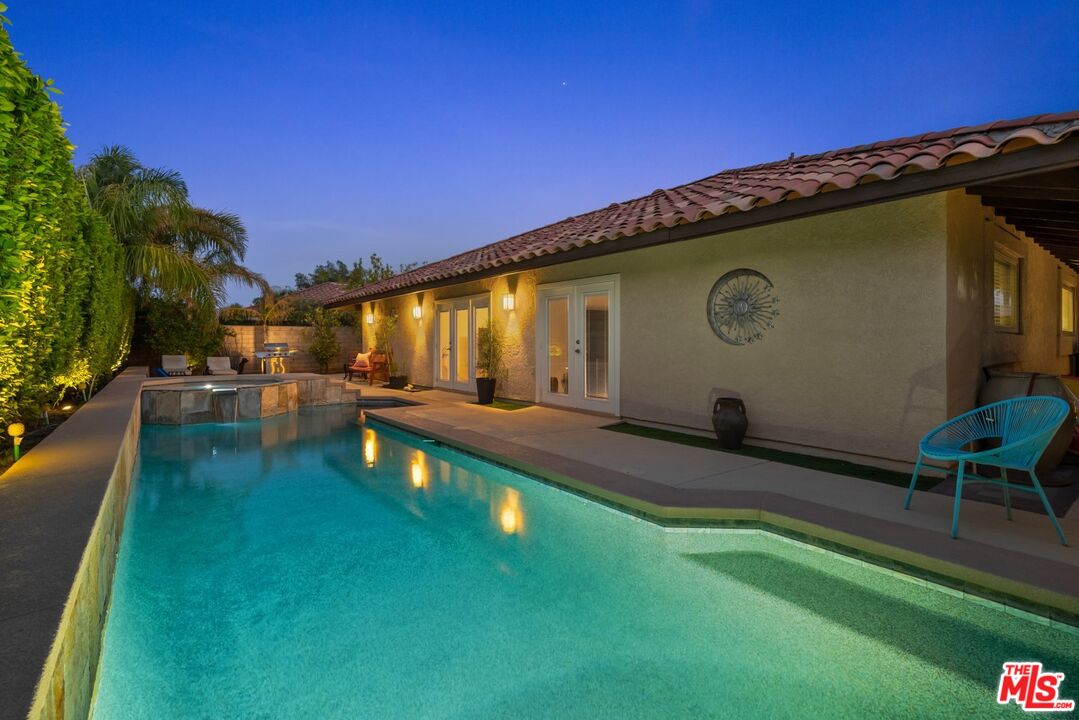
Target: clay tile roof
(740, 190)
(321, 293)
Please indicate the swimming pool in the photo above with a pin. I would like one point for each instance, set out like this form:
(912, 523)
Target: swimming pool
(303, 566)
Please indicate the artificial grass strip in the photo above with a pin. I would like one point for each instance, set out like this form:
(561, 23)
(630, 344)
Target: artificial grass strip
(831, 465)
(505, 405)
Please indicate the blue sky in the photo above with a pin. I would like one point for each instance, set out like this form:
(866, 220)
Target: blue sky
(417, 130)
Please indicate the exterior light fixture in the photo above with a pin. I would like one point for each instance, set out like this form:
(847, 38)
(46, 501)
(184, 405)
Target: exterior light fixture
(508, 301)
(417, 312)
(370, 319)
(67, 408)
(16, 430)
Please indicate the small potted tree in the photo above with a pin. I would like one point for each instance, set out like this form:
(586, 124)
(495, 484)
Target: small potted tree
(385, 332)
(489, 347)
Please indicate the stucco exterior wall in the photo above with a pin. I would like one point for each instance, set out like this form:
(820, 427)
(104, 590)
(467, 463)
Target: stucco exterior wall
(857, 360)
(973, 343)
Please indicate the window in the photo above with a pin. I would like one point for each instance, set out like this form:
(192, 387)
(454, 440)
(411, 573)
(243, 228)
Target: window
(1005, 292)
(1067, 309)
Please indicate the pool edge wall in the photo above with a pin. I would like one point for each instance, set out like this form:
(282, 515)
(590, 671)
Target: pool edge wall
(66, 501)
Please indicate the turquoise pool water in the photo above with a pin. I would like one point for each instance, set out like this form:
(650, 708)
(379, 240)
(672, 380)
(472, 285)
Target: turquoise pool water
(306, 567)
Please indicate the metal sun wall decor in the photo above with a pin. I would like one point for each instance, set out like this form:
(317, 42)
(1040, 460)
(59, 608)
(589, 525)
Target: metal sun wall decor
(742, 306)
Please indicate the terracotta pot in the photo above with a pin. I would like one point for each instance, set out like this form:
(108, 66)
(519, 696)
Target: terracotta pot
(730, 422)
(485, 390)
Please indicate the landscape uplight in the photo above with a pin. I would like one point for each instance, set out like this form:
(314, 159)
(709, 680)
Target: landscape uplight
(16, 430)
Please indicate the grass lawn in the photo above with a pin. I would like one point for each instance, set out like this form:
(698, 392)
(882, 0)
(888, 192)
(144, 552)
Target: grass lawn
(838, 467)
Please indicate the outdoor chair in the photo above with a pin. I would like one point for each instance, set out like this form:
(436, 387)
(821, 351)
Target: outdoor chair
(219, 366)
(361, 365)
(1023, 426)
(175, 365)
(371, 365)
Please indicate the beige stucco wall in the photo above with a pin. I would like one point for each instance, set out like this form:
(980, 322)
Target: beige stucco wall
(856, 361)
(1039, 346)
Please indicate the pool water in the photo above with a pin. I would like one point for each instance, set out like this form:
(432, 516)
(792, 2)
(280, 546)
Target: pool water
(304, 566)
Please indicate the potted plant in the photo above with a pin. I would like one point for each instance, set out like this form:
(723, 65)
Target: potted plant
(385, 332)
(489, 347)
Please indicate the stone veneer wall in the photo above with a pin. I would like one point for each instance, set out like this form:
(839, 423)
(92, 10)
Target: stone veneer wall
(167, 406)
(67, 680)
(248, 339)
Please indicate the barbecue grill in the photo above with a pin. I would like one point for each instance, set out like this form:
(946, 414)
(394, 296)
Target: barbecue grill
(275, 354)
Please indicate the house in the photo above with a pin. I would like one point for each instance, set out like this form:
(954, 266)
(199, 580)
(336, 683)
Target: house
(851, 298)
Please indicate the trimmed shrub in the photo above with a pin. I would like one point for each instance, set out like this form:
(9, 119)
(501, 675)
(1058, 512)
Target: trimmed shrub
(65, 310)
(177, 327)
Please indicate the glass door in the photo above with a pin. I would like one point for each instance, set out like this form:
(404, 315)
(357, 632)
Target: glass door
(458, 322)
(577, 345)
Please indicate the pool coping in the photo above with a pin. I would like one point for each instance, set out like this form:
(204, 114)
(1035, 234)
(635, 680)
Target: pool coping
(1048, 589)
(62, 508)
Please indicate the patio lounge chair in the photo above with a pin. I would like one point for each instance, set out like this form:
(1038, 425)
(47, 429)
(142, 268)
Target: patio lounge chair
(219, 366)
(175, 364)
(1024, 426)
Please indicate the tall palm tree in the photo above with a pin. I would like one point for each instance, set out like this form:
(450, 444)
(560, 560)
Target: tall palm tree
(172, 246)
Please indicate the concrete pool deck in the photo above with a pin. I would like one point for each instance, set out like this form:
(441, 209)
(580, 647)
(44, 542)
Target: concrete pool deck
(1019, 563)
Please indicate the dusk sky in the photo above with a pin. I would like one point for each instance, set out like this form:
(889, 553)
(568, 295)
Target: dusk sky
(338, 129)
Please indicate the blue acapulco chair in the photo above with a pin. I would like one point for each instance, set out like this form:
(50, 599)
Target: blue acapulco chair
(1024, 426)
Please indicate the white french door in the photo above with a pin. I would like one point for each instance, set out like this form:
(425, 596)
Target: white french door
(577, 344)
(457, 323)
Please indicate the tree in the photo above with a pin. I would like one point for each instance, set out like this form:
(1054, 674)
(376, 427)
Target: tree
(329, 271)
(356, 276)
(175, 326)
(170, 246)
(324, 345)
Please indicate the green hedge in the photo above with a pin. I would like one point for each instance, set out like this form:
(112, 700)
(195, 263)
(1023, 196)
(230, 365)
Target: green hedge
(65, 308)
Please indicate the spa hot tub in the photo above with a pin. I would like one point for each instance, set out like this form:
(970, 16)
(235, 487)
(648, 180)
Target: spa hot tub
(229, 399)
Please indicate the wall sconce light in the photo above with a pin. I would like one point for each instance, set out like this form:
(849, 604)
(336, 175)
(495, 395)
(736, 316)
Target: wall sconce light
(417, 312)
(16, 430)
(508, 301)
(370, 319)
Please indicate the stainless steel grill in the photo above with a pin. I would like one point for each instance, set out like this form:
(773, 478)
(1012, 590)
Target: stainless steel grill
(275, 354)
